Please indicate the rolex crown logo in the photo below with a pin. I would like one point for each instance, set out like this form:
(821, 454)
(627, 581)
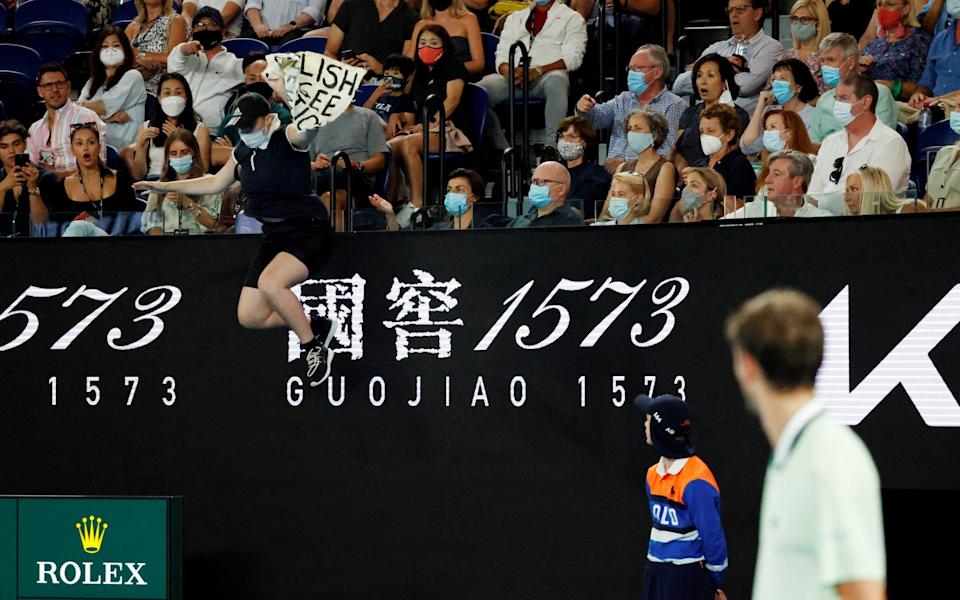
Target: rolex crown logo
(91, 530)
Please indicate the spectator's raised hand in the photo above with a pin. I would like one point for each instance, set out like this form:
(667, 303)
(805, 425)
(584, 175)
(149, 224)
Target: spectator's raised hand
(169, 125)
(30, 175)
(146, 134)
(381, 204)
(190, 48)
(369, 63)
(765, 99)
(586, 103)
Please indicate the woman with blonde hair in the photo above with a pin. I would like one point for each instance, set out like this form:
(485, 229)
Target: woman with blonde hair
(809, 23)
(460, 23)
(627, 202)
(869, 192)
(155, 31)
(702, 197)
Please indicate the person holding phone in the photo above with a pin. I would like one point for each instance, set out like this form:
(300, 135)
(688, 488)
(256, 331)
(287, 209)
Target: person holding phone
(20, 202)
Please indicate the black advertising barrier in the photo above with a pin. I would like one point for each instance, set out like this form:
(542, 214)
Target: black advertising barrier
(480, 445)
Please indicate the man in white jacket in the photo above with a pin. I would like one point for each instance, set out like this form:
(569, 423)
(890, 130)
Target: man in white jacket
(555, 37)
(211, 70)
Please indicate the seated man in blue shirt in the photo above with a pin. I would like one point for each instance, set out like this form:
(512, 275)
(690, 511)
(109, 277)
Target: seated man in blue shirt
(942, 74)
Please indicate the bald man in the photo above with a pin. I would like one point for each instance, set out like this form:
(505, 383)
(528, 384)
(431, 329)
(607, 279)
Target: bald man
(548, 199)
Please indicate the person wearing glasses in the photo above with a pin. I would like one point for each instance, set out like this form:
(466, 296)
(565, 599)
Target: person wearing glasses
(897, 57)
(809, 24)
(646, 72)
(211, 70)
(749, 41)
(548, 199)
(577, 146)
(48, 142)
(864, 140)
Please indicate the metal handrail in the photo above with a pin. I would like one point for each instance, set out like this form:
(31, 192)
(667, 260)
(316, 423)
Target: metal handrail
(433, 99)
(525, 66)
(341, 156)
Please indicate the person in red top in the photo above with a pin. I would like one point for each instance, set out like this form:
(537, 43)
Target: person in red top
(687, 556)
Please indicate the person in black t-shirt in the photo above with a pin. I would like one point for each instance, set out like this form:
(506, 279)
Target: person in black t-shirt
(440, 72)
(273, 165)
(720, 142)
(362, 37)
(390, 100)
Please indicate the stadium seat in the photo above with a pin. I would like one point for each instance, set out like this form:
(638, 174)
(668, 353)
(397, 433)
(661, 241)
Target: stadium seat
(18, 80)
(490, 42)
(363, 93)
(3, 20)
(20, 59)
(126, 11)
(244, 46)
(122, 24)
(78, 66)
(474, 101)
(929, 142)
(54, 28)
(305, 44)
(695, 39)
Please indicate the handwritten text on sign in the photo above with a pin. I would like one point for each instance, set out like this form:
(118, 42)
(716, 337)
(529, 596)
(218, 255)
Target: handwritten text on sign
(325, 88)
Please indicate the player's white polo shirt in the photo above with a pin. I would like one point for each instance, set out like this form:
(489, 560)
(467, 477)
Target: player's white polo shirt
(820, 522)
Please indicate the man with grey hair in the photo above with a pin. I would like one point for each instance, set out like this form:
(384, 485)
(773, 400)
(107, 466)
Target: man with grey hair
(787, 183)
(646, 72)
(840, 55)
(549, 186)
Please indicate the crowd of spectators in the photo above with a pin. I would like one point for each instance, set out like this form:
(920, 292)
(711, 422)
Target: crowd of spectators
(824, 125)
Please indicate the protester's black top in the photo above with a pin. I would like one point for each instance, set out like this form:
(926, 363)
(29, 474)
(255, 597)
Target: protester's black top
(276, 180)
(738, 173)
(434, 81)
(387, 105)
(364, 33)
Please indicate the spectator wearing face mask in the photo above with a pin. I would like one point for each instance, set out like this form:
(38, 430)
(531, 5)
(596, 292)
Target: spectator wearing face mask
(174, 110)
(646, 133)
(943, 182)
(809, 24)
(390, 100)
(715, 85)
(461, 24)
(178, 213)
(577, 146)
(787, 182)
(222, 148)
(211, 70)
(464, 189)
(793, 89)
(869, 192)
(702, 197)
(839, 53)
(628, 202)
(115, 90)
(897, 57)
(231, 10)
(648, 67)
(864, 140)
(941, 78)
(548, 198)
(720, 144)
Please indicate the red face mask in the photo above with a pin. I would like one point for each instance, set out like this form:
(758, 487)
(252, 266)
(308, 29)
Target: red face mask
(430, 56)
(889, 19)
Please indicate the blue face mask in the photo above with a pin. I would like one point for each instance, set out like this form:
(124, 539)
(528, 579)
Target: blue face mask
(803, 32)
(181, 164)
(254, 139)
(540, 196)
(639, 141)
(618, 208)
(782, 92)
(542, 2)
(831, 75)
(456, 204)
(689, 200)
(953, 8)
(842, 112)
(955, 122)
(636, 82)
(773, 142)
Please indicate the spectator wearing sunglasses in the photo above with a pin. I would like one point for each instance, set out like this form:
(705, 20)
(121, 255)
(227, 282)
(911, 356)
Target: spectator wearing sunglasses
(863, 140)
(48, 142)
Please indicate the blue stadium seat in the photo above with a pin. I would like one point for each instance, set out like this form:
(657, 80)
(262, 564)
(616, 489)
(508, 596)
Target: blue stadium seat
(20, 59)
(18, 80)
(363, 93)
(474, 101)
(244, 46)
(3, 20)
(54, 28)
(122, 24)
(78, 67)
(127, 11)
(305, 44)
(490, 43)
(929, 142)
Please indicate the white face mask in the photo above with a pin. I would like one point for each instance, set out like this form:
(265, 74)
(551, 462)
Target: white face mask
(173, 106)
(727, 98)
(710, 144)
(111, 57)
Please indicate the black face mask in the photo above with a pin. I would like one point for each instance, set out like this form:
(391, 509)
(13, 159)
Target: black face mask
(438, 5)
(208, 38)
(395, 84)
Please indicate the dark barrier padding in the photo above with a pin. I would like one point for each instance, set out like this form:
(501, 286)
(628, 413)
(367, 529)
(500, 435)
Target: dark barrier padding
(481, 498)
